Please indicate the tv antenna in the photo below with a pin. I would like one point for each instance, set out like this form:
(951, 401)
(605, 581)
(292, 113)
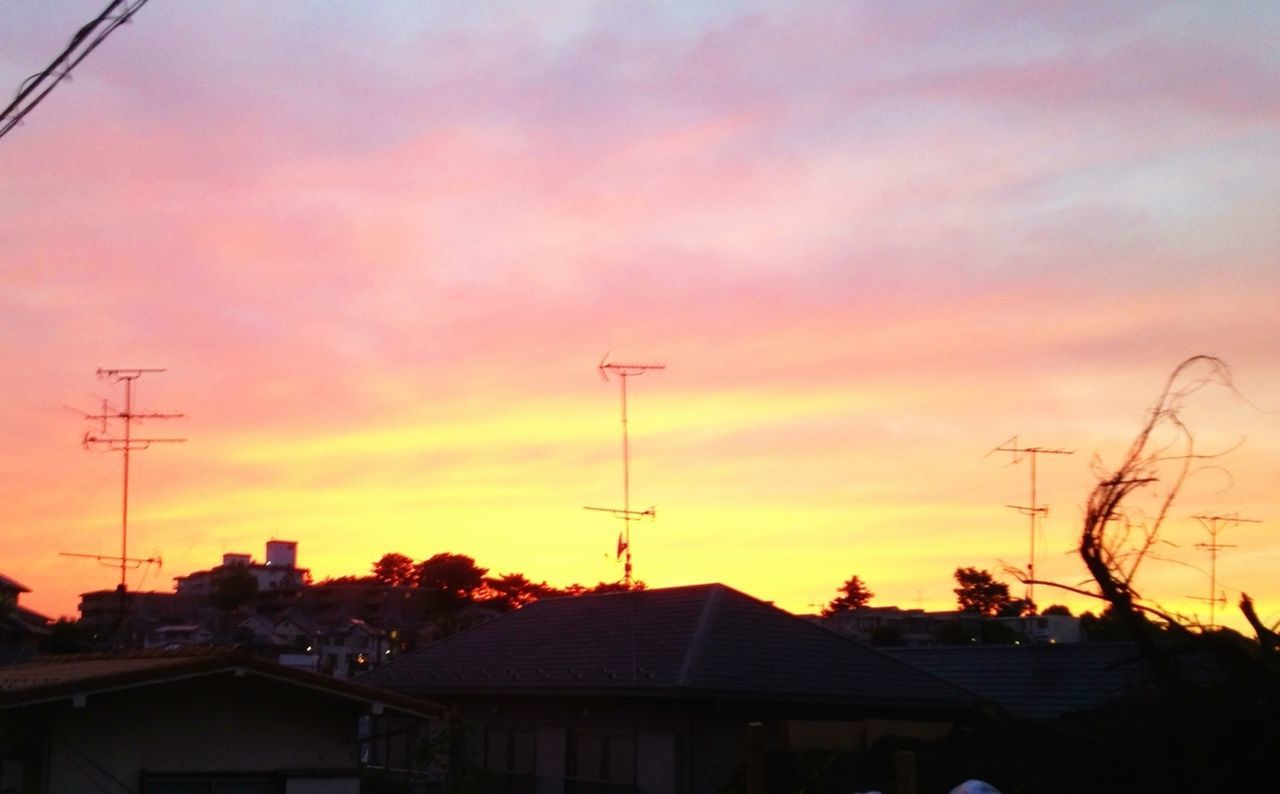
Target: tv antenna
(1213, 525)
(624, 371)
(1034, 510)
(123, 444)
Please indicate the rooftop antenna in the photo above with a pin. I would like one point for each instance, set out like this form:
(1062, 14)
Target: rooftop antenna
(1034, 510)
(624, 371)
(1213, 525)
(123, 444)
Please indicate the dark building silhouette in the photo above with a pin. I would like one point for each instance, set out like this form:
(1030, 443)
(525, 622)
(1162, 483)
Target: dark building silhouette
(652, 690)
(21, 629)
(164, 722)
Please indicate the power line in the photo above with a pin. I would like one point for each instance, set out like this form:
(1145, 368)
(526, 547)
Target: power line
(38, 86)
(624, 371)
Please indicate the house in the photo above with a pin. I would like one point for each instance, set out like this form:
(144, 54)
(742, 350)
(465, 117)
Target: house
(652, 691)
(915, 628)
(127, 617)
(351, 648)
(280, 572)
(172, 636)
(20, 628)
(192, 720)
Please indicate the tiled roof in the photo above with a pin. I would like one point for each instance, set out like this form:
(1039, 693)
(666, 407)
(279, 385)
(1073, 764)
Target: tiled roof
(695, 641)
(74, 668)
(52, 678)
(1039, 682)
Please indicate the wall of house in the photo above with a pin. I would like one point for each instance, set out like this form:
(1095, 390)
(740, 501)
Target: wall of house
(210, 724)
(654, 733)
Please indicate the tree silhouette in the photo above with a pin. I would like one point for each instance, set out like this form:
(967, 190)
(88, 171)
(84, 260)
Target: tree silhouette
(395, 569)
(1118, 535)
(1204, 726)
(979, 593)
(455, 576)
(616, 587)
(233, 587)
(513, 590)
(853, 594)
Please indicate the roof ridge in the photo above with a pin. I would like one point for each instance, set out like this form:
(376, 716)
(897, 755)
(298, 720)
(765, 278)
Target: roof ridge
(700, 634)
(184, 652)
(420, 650)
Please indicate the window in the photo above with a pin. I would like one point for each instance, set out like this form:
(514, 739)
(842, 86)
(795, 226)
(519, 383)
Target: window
(227, 783)
(508, 757)
(601, 763)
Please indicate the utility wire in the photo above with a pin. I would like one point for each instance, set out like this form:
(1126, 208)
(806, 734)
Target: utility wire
(85, 41)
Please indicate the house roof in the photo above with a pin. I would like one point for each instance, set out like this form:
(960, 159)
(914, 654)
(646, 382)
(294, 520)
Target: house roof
(25, 620)
(696, 641)
(52, 678)
(12, 585)
(1040, 682)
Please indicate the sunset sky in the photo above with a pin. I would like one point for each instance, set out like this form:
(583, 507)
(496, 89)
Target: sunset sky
(381, 247)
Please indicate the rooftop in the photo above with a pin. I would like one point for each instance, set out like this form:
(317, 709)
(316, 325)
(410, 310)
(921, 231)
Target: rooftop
(71, 676)
(695, 641)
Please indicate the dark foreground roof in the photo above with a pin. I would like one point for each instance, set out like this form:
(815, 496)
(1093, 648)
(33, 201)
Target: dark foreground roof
(1040, 682)
(12, 585)
(52, 678)
(697, 641)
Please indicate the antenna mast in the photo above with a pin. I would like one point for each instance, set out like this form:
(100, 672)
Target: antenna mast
(1034, 510)
(124, 445)
(1213, 525)
(624, 371)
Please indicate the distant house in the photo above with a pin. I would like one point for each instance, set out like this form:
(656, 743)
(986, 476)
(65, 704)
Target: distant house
(20, 628)
(372, 602)
(175, 636)
(916, 628)
(652, 691)
(127, 617)
(352, 648)
(280, 572)
(189, 721)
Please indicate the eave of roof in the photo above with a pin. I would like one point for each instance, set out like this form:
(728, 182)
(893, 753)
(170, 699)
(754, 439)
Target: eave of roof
(84, 675)
(12, 584)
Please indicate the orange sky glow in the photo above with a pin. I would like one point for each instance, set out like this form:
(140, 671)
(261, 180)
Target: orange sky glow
(380, 249)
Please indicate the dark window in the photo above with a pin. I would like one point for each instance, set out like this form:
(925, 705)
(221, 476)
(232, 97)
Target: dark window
(508, 758)
(227, 783)
(601, 764)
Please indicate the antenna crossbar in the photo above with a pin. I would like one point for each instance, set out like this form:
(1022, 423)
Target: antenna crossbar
(114, 561)
(624, 371)
(1214, 524)
(1034, 510)
(123, 443)
(626, 515)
